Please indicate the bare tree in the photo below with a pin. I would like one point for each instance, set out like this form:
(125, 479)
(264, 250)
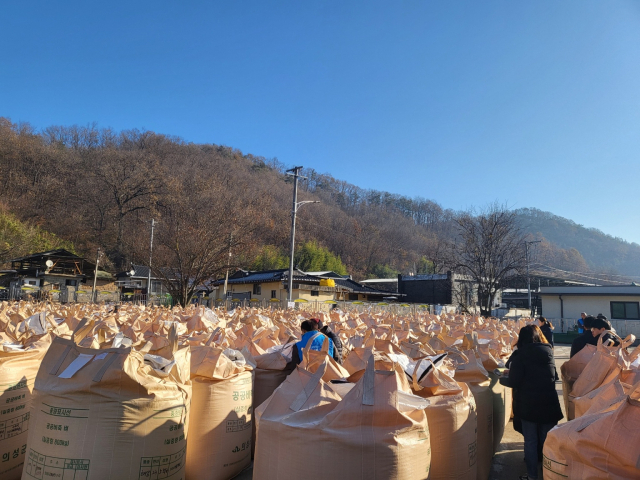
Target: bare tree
(489, 248)
(127, 182)
(195, 235)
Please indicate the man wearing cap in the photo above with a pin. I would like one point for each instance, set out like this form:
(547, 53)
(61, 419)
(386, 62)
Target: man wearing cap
(604, 317)
(586, 338)
(602, 326)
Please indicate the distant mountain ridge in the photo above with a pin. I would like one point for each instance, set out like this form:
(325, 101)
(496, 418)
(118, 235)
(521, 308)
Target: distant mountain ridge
(602, 252)
(99, 188)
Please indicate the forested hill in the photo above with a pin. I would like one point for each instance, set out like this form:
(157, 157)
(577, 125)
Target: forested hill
(99, 188)
(602, 252)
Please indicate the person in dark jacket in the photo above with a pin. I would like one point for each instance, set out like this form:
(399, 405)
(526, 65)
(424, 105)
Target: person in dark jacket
(600, 326)
(337, 343)
(547, 329)
(311, 334)
(532, 374)
(586, 338)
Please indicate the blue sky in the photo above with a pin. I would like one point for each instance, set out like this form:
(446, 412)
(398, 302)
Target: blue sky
(535, 104)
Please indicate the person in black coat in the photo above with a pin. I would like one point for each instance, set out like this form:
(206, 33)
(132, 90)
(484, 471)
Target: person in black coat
(547, 329)
(337, 343)
(601, 326)
(585, 338)
(532, 374)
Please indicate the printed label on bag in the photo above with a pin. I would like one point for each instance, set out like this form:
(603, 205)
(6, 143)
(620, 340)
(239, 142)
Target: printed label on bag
(45, 467)
(12, 387)
(238, 425)
(56, 411)
(14, 426)
(152, 468)
(473, 447)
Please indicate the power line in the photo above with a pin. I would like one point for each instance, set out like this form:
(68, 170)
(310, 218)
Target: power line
(592, 273)
(582, 275)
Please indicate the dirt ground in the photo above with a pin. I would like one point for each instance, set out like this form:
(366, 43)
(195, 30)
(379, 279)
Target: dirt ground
(508, 462)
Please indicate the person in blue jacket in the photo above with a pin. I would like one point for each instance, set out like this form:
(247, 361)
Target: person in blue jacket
(309, 333)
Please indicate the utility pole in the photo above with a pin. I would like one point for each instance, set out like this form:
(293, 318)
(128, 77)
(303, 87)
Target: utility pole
(95, 278)
(153, 224)
(526, 247)
(295, 173)
(226, 278)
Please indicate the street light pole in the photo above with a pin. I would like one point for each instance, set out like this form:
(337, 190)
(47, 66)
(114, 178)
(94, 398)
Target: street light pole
(153, 224)
(95, 278)
(526, 247)
(226, 278)
(295, 173)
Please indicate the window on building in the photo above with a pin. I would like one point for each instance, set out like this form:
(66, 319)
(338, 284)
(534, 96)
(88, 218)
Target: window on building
(625, 310)
(353, 297)
(274, 294)
(315, 293)
(71, 282)
(257, 289)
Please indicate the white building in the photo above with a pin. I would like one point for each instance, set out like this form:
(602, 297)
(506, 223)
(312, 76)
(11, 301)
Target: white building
(620, 304)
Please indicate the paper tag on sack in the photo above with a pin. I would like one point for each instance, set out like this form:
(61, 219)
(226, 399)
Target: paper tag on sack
(120, 341)
(12, 347)
(160, 364)
(76, 365)
(408, 402)
(35, 323)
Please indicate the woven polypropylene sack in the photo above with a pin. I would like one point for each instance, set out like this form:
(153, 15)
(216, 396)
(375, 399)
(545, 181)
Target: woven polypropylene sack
(107, 414)
(483, 396)
(570, 371)
(18, 369)
(601, 445)
(453, 425)
(219, 445)
(377, 431)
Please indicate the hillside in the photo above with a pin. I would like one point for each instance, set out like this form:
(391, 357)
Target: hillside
(602, 252)
(100, 188)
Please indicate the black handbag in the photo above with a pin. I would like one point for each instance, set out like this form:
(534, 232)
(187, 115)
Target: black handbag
(504, 380)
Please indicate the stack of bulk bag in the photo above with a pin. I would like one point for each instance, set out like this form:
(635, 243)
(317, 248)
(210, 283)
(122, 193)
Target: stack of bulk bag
(452, 422)
(220, 437)
(271, 370)
(601, 398)
(570, 371)
(605, 366)
(476, 377)
(281, 450)
(600, 445)
(111, 413)
(377, 431)
(19, 365)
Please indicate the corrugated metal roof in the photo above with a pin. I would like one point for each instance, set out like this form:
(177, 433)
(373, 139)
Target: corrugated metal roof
(270, 276)
(61, 252)
(356, 287)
